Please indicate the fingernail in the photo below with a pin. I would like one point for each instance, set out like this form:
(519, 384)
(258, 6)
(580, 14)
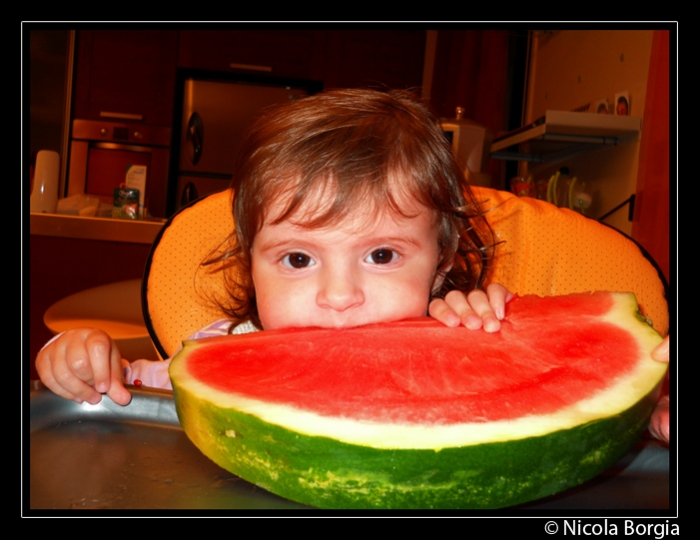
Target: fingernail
(473, 322)
(102, 387)
(491, 325)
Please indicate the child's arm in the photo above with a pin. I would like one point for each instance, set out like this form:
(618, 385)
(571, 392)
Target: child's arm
(82, 364)
(658, 426)
(476, 309)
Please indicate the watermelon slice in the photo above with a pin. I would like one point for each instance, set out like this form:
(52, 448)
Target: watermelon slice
(417, 415)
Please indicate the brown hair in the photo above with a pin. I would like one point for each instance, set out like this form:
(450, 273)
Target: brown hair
(358, 146)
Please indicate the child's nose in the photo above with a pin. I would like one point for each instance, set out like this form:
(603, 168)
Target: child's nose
(340, 291)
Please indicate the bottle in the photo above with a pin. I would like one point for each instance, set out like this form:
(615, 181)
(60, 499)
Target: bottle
(563, 186)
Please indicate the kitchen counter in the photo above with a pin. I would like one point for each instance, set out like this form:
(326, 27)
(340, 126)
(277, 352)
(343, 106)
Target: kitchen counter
(135, 457)
(95, 228)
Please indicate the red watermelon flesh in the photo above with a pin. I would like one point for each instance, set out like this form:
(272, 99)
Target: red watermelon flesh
(546, 356)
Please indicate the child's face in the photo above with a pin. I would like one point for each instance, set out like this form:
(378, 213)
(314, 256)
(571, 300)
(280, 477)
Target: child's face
(363, 270)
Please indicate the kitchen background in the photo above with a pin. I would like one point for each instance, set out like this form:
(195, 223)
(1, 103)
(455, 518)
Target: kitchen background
(501, 78)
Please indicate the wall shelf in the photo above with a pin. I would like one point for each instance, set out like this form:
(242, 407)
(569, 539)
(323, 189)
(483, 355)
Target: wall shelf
(559, 135)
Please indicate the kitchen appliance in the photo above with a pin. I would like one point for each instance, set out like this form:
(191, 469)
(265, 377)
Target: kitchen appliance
(471, 145)
(101, 152)
(215, 116)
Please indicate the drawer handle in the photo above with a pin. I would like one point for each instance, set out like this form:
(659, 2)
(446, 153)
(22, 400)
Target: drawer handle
(124, 116)
(250, 67)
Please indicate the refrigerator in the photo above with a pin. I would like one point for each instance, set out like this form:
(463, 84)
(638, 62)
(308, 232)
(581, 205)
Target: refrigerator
(215, 117)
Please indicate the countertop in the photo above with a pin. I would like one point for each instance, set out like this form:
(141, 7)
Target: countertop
(109, 456)
(95, 228)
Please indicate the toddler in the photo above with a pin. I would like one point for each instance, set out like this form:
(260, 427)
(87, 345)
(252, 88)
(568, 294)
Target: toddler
(349, 209)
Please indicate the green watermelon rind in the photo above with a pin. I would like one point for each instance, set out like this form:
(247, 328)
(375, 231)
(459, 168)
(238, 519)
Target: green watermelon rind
(343, 463)
(328, 473)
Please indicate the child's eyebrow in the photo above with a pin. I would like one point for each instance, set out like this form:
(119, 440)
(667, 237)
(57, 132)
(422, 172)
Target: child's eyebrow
(371, 241)
(395, 240)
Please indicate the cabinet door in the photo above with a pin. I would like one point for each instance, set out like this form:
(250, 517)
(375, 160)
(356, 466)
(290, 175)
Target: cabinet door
(126, 75)
(380, 59)
(340, 58)
(279, 53)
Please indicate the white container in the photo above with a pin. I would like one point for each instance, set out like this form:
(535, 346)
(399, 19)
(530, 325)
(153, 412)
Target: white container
(136, 179)
(44, 196)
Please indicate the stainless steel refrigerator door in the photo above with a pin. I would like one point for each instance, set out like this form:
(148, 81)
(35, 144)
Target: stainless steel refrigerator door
(222, 111)
(190, 188)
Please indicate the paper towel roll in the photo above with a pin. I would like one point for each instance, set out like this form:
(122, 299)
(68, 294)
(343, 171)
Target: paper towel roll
(44, 196)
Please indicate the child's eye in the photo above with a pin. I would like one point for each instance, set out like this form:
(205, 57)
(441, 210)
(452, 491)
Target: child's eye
(381, 256)
(297, 260)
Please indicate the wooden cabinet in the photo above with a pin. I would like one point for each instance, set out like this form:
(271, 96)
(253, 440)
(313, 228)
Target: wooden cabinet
(377, 59)
(130, 75)
(279, 53)
(125, 75)
(339, 58)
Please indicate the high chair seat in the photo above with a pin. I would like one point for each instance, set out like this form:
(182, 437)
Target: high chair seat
(544, 250)
(551, 251)
(179, 295)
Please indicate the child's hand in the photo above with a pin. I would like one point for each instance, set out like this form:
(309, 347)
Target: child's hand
(474, 310)
(81, 365)
(658, 425)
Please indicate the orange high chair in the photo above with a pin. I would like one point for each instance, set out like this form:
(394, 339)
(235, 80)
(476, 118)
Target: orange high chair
(544, 250)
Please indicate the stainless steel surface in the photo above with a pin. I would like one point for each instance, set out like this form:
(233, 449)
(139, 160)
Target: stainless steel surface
(225, 110)
(100, 151)
(94, 130)
(95, 228)
(107, 456)
(123, 116)
(215, 118)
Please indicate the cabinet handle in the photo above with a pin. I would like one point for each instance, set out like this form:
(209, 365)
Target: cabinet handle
(189, 194)
(251, 67)
(124, 116)
(195, 136)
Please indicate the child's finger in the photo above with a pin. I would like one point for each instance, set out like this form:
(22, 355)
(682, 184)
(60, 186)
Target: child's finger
(63, 382)
(660, 353)
(99, 347)
(44, 367)
(117, 392)
(659, 423)
(498, 296)
(459, 303)
(440, 311)
(479, 302)
(72, 367)
(76, 356)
